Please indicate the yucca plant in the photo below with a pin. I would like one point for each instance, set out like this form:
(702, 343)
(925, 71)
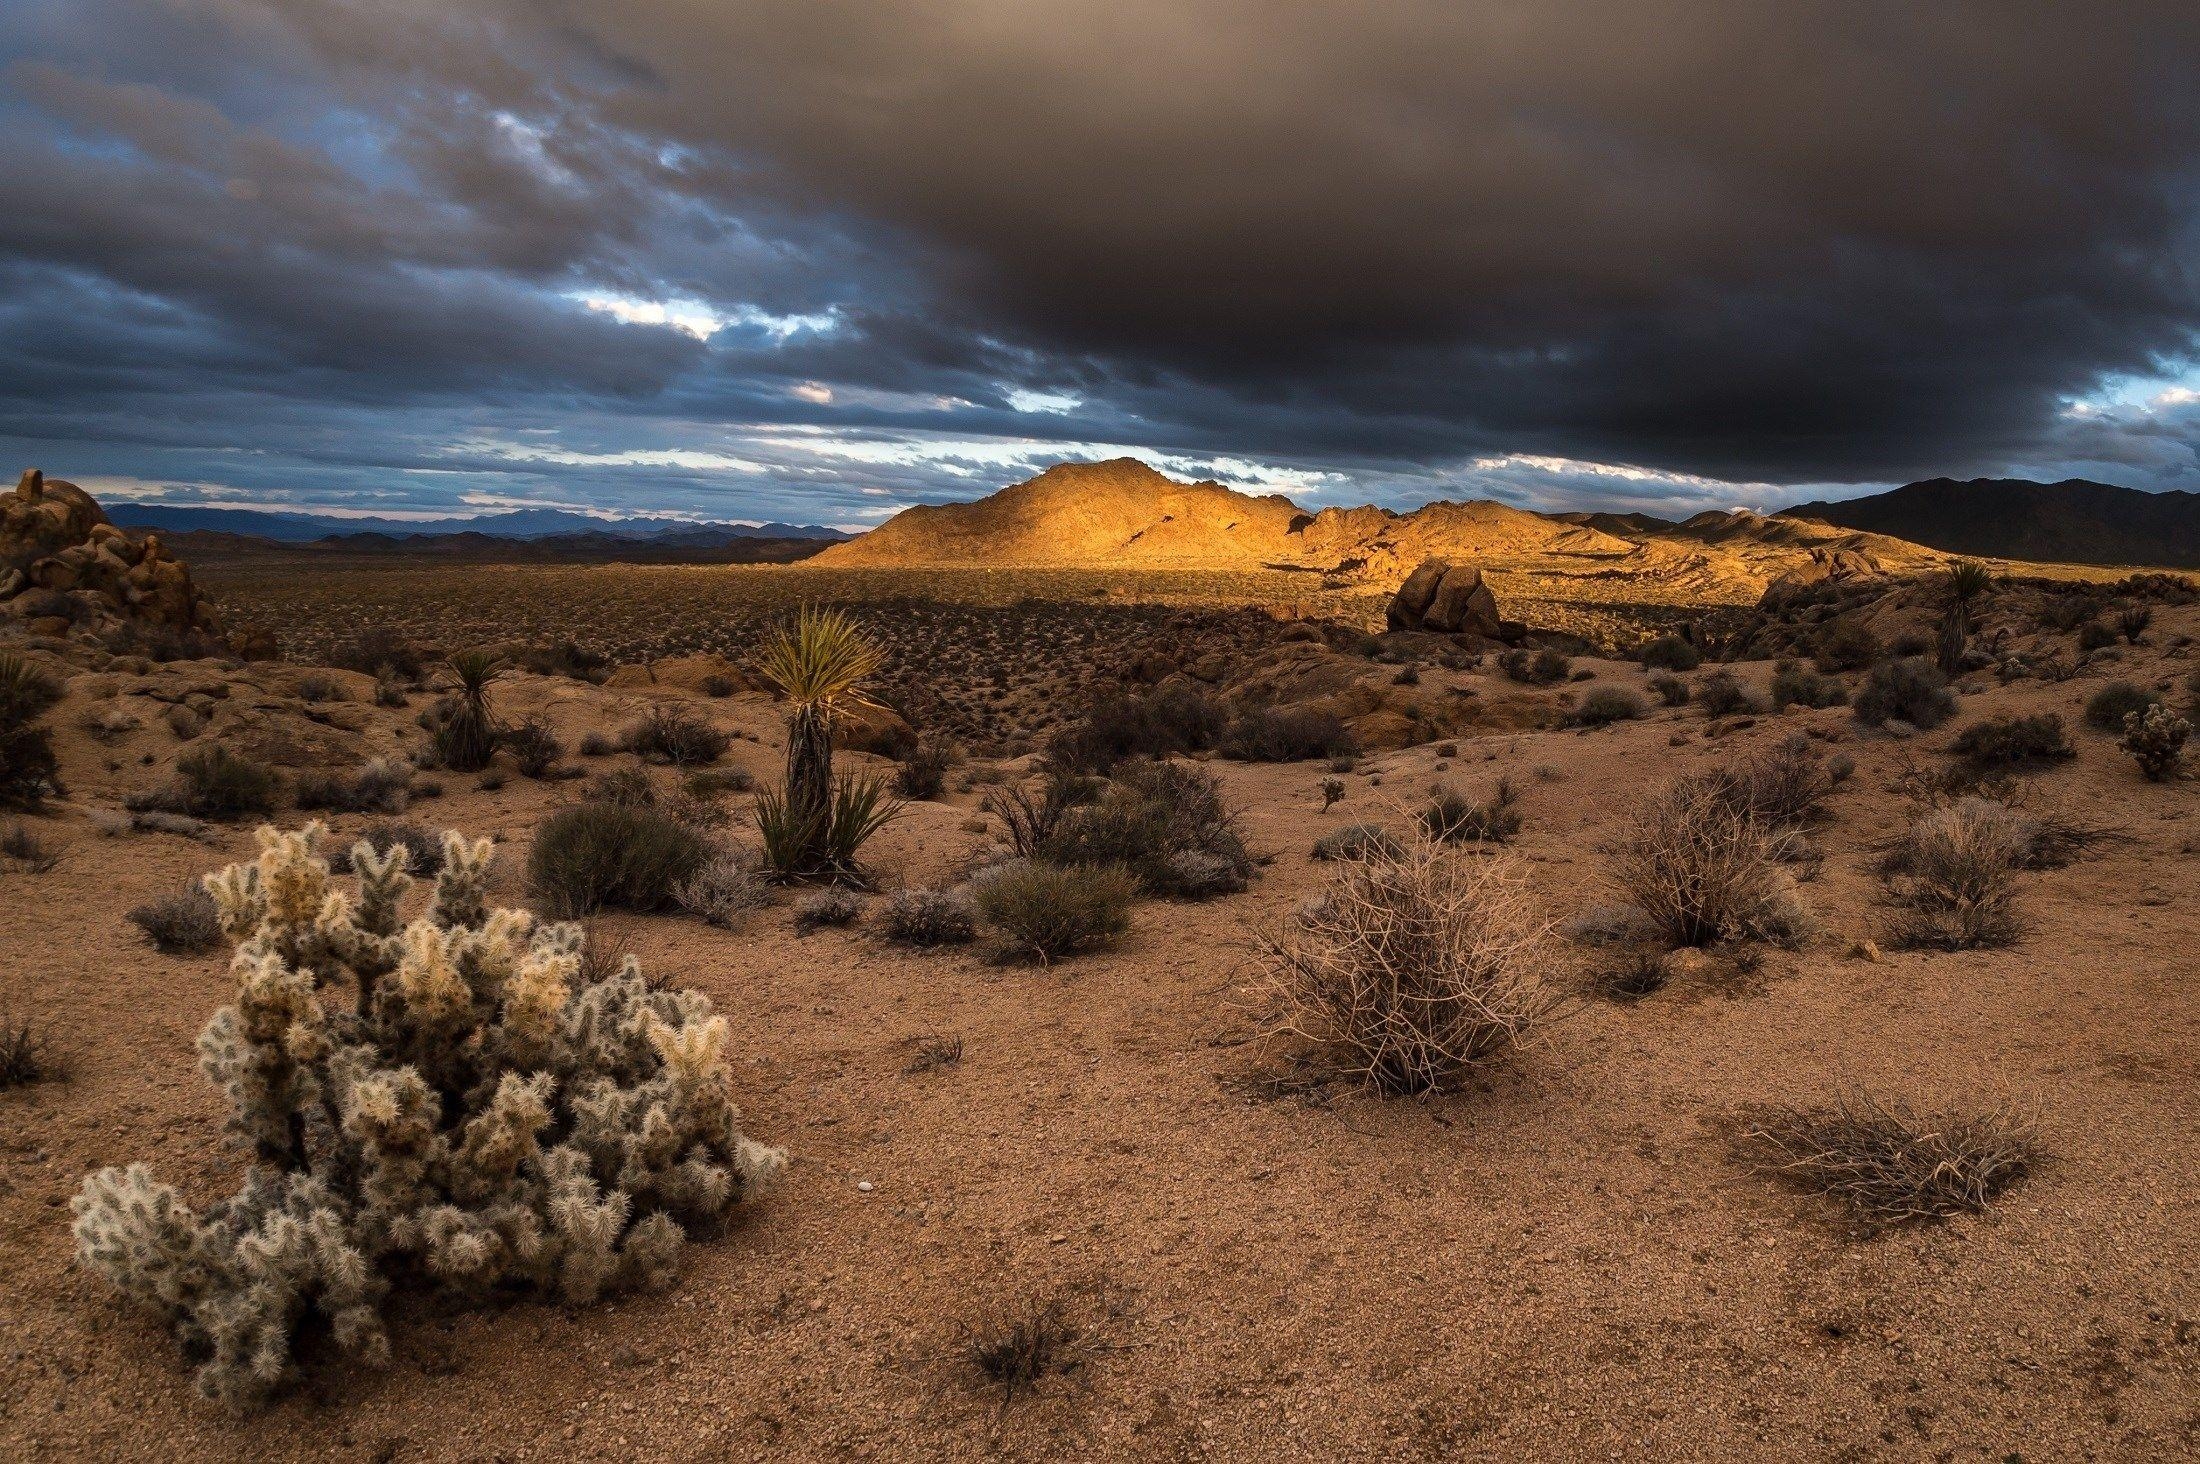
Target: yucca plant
(466, 738)
(801, 843)
(819, 663)
(1967, 580)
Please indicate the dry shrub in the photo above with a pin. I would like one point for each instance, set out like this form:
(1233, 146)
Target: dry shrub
(1720, 694)
(1451, 817)
(182, 924)
(1889, 1165)
(21, 846)
(27, 1055)
(1702, 867)
(1032, 818)
(923, 770)
(832, 907)
(1356, 841)
(1160, 723)
(1412, 966)
(927, 918)
(215, 783)
(1287, 734)
(1048, 912)
(423, 846)
(1783, 787)
(1799, 686)
(724, 891)
(2108, 708)
(1013, 1349)
(1166, 823)
(377, 785)
(1670, 653)
(1955, 871)
(2156, 741)
(670, 733)
(1911, 690)
(2013, 742)
(535, 749)
(1606, 705)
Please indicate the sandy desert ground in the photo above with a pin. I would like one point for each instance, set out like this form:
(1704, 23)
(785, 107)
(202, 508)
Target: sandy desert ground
(1567, 1260)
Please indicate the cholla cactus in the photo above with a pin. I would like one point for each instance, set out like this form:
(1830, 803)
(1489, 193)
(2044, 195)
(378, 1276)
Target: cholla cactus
(477, 1117)
(2156, 739)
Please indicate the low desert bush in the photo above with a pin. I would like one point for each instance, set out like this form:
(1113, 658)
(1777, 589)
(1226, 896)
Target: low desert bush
(1412, 966)
(1782, 787)
(1164, 822)
(1911, 690)
(1356, 841)
(2132, 622)
(928, 917)
(1332, 791)
(2109, 707)
(831, 907)
(1535, 668)
(1670, 653)
(463, 727)
(1048, 911)
(724, 891)
(1450, 817)
(1720, 694)
(318, 686)
(2156, 740)
(533, 748)
(1031, 816)
(2013, 742)
(1165, 722)
(1889, 1165)
(923, 770)
(1702, 869)
(29, 772)
(1954, 872)
(624, 856)
(1606, 705)
(2095, 635)
(213, 782)
(1846, 645)
(21, 846)
(1795, 685)
(182, 924)
(380, 651)
(670, 733)
(378, 785)
(423, 847)
(1294, 734)
(476, 1120)
(1670, 689)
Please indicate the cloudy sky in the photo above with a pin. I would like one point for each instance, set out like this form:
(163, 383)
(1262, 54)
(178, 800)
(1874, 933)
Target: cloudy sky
(821, 259)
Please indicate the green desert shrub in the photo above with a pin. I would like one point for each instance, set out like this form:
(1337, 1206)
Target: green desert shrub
(1606, 705)
(923, 770)
(929, 917)
(2013, 742)
(444, 1112)
(1911, 690)
(1535, 668)
(2156, 740)
(1954, 873)
(29, 772)
(1165, 722)
(1414, 965)
(213, 782)
(1846, 645)
(1450, 817)
(1720, 694)
(1050, 911)
(1671, 653)
(533, 747)
(625, 856)
(378, 785)
(1355, 841)
(670, 733)
(1166, 823)
(1286, 734)
(1702, 869)
(2109, 707)
(1796, 685)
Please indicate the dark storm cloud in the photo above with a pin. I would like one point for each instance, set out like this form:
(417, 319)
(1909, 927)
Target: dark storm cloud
(1391, 248)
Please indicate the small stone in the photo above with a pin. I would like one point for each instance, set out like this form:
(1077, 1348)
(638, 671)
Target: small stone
(864, 1185)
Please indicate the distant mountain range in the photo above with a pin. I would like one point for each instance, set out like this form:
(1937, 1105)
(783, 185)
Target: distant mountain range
(518, 523)
(2072, 522)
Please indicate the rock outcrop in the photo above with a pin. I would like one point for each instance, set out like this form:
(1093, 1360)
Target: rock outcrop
(1445, 597)
(63, 567)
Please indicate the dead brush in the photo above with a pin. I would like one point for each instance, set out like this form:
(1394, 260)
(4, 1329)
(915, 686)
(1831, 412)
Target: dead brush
(27, 1055)
(1702, 868)
(933, 1054)
(1019, 1344)
(20, 845)
(1414, 965)
(1888, 1165)
(1955, 872)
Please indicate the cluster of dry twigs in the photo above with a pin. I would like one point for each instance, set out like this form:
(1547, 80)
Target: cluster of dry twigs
(1415, 964)
(1889, 1164)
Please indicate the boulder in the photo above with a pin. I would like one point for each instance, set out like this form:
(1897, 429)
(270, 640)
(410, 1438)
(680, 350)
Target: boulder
(1449, 598)
(54, 539)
